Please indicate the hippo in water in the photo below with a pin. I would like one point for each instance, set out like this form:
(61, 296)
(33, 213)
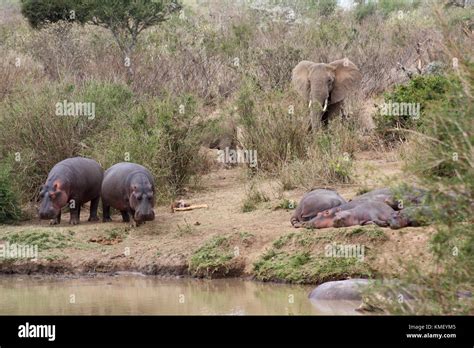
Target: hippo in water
(129, 188)
(411, 216)
(73, 181)
(314, 202)
(365, 213)
(349, 289)
(339, 297)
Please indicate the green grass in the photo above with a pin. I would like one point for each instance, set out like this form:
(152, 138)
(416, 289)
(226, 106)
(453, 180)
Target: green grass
(371, 232)
(117, 232)
(298, 257)
(213, 257)
(301, 267)
(44, 239)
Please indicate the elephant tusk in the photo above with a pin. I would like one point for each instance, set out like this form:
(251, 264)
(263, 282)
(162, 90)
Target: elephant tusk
(325, 105)
(309, 105)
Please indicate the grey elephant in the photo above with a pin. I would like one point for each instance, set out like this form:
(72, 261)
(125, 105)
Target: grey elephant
(325, 86)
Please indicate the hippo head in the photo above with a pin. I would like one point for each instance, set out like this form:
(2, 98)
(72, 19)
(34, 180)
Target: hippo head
(397, 220)
(142, 201)
(343, 219)
(53, 197)
(325, 218)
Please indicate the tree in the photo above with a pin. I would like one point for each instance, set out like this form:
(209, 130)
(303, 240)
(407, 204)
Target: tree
(126, 19)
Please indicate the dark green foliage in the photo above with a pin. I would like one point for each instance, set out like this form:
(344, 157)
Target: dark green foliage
(9, 203)
(421, 90)
(40, 13)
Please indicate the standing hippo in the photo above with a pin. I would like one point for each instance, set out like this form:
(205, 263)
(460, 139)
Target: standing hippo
(411, 216)
(314, 202)
(73, 181)
(130, 188)
(366, 213)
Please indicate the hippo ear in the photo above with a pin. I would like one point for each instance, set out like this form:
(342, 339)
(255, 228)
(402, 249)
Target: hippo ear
(347, 78)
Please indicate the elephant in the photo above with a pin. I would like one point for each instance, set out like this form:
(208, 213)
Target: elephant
(325, 86)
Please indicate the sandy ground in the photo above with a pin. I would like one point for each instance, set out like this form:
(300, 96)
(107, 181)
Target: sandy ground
(164, 246)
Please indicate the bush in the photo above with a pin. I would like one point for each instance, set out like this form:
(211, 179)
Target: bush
(441, 158)
(389, 6)
(364, 10)
(328, 160)
(163, 135)
(444, 151)
(420, 91)
(9, 204)
(40, 138)
(273, 125)
(384, 7)
(326, 8)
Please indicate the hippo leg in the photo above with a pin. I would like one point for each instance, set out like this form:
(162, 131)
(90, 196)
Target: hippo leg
(298, 224)
(106, 212)
(368, 222)
(381, 223)
(75, 215)
(56, 220)
(93, 210)
(125, 216)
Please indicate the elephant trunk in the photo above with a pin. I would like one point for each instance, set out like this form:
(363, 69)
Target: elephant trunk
(318, 105)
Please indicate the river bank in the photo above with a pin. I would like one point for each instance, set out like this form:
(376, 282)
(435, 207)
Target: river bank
(223, 241)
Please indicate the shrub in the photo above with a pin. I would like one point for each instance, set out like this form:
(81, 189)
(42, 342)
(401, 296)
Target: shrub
(276, 65)
(441, 158)
(328, 159)
(9, 203)
(389, 6)
(419, 91)
(254, 196)
(273, 125)
(163, 135)
(326, 8)
(40, 138)
(364, 10)
(443, 152)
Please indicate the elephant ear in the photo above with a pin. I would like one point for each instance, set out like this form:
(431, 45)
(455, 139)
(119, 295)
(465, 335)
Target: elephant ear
(300, 80)
(347, 78)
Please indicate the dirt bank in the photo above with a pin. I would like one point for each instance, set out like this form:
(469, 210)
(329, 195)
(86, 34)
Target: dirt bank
(223, 241)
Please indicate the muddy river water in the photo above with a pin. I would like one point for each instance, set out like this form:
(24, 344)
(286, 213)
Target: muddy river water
(146, 295)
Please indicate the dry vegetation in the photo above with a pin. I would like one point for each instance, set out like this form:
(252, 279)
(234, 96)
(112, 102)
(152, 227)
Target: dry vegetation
(220, 74)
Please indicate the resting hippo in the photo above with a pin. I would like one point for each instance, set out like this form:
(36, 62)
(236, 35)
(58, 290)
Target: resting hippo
(73, 181)
(394, 199)
(314, 202)
(366, 213)
(411, 216)
(325, 218)
(129, 188)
